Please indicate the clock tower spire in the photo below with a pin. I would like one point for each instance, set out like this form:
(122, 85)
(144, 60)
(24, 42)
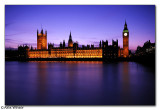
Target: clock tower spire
(125, 41)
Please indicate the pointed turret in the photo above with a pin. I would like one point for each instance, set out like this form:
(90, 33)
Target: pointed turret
(37, 32)
(46, 33)
(100, 44)
(70, 36)
(70, 42)
(42, 31)
(64, 44)
(125, 26)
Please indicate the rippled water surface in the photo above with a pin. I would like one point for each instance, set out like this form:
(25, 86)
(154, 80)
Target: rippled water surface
(79, 83)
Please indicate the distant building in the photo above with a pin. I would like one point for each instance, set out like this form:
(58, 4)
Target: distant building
(148, 48)
(124, 52)
(50, 46)
(41, 40)
(104, 50)
(146, 54)
(125, 41)
(23, 52)
(120, 52)
(110, 51)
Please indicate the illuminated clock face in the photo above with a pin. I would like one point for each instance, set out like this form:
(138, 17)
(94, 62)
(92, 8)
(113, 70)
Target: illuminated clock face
(125, 34)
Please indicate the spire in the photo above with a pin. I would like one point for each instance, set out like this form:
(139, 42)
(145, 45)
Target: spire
(42, 31)
(46, 32)
(63, 43)
(70, 36)
(125, 22)
(100, 44)
(125, 25)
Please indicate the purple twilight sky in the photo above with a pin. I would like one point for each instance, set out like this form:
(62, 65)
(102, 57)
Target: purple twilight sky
(88, 23)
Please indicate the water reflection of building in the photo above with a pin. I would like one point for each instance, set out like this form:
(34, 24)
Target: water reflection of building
(74, 51)
(41, 82)
(126, 83)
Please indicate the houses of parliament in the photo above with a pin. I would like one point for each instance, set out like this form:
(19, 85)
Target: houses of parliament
(104, 50)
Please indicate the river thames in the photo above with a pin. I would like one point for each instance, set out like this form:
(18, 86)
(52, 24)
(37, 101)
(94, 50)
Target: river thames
(79, 83)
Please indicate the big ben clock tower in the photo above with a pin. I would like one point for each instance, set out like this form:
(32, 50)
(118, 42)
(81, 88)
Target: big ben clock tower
(125, 41)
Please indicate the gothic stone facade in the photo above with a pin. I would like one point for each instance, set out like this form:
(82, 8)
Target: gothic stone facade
(73, 51)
